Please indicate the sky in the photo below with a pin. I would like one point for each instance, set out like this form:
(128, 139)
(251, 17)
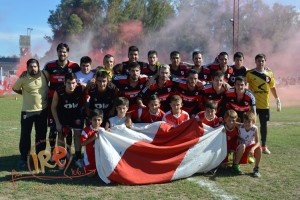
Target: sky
(17, 16)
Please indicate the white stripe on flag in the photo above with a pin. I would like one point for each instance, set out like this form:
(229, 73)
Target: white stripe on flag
(207, 154)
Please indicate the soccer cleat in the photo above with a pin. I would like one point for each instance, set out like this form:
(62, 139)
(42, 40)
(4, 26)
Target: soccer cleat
(256, 172)
(265, 150)
(236, 168)
(79, 163)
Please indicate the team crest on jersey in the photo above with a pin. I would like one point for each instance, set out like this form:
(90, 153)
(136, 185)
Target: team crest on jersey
(69, 70)
(126, 88)
(196, 93)
(205, 77)
(141, 86)
(169, 89)
(246, 103)
(66, 101)
(267, 79)
(182, 73)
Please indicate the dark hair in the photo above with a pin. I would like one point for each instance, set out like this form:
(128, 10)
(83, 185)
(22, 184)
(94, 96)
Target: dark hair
(62, 45)
(121, 101)
(107, 56)
(211, 104)
(32, 60)
(134, 65)
(191, 71)
(153, 97)
(195, 53)
(96, 113)
(85, 59)
(102, 74)
(240, 78)
(133, 48)
(174, 53)
(261, 55)
(152, 52)
(223, 53)
(218, 74)
(70, 76)
(238, 55)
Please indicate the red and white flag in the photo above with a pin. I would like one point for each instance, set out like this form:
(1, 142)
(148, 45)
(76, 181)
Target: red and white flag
(158, 153)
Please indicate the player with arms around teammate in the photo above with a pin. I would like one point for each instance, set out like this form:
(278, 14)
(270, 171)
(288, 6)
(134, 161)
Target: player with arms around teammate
(66, 108)
(262, 82)
(239, 98)
(57, 70)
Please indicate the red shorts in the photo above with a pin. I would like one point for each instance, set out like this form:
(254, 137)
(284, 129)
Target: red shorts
(244, 159)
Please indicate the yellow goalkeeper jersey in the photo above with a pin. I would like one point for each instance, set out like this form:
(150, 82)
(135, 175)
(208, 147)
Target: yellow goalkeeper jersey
(260, 83)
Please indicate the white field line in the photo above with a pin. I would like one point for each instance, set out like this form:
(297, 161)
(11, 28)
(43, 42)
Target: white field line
(217, 192)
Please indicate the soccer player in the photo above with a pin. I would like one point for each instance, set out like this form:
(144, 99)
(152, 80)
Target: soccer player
(88, 136)
(262, 82)
(66, 108)
(203, 71)
(222, 65)
(238, 68)
(190, 92)
(178, 69)
(208, 116)
(152, 68)
(86, 73)
(34, 89)
(239, 98)
(215, 91)
(249, 144)
(149, 114)
(57, 70)
(130, 85)
(163, 88)
(133, 56)
(176, 115)
(101, 97)
(108, 64)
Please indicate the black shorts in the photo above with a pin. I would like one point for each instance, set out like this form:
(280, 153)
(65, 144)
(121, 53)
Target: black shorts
(264, 114)
(75, 122)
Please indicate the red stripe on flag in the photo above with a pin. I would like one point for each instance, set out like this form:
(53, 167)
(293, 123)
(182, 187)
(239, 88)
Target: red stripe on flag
(144, 163)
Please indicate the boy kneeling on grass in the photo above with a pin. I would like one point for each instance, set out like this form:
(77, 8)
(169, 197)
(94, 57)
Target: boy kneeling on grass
(88, 137)
(249, 146)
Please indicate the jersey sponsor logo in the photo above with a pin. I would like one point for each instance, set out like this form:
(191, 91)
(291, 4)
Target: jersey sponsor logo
(69, 70)
(101, 105)
(71, 105)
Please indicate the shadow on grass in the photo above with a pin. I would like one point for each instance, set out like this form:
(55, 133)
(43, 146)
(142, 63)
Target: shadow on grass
(72, 176)
(214, 174)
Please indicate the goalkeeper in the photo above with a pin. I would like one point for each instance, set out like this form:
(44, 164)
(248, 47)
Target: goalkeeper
(261, 82)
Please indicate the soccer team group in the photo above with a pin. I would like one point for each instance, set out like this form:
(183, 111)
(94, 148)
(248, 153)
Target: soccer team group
(65, 96)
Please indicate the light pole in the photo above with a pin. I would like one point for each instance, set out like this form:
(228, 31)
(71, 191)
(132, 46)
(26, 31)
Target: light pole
(235, 25)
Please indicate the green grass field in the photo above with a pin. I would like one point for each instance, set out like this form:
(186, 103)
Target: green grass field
(280, 171)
